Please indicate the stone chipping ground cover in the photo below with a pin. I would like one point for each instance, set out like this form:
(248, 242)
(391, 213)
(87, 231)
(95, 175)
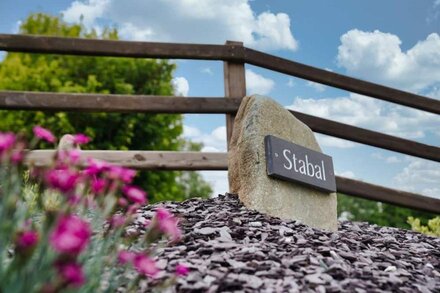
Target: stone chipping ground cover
(230, 248)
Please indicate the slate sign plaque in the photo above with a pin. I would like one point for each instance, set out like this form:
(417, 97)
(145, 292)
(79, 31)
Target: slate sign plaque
(295, 163)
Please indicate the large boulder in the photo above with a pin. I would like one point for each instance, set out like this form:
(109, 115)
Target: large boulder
(257, 117)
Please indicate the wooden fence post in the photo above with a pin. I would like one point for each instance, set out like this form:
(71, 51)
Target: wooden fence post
(235, 86)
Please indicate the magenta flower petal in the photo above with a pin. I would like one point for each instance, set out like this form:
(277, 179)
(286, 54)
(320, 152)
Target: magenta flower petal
(71, 235)
(71, 273)
(167, 224)
(81, 138)
(7, 140)
(125, 256)
(44, 134)
(98, 185)
(27, 239)
(135, 194)
(95, 167)
(145, 265)
(182, 270)
(120, 173)
(64, 180)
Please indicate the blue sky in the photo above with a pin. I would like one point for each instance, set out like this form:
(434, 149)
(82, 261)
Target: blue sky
(393, 42)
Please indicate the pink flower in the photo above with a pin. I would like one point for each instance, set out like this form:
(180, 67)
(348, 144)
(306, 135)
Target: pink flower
(120, 173)
(125, 256)
(7, 140)
(26, 240)
(70, 157)
(167, 224)
(64, 180)
(81, 138)
(122, 202)
(135, 194)
(17, 157)
(182, 270)
(98, 185)
(71, 273)
(95, 166)
(43, 133)
(71, 235)
(117, 221)
(145, 265)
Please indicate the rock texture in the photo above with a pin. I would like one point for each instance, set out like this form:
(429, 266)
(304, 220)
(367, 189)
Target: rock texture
(257, 117)
(230, 248)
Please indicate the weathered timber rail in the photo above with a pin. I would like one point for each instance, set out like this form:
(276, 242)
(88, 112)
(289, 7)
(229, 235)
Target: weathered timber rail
(235, 56)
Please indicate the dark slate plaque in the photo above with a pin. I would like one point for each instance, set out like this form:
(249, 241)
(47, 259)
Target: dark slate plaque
(295, 163)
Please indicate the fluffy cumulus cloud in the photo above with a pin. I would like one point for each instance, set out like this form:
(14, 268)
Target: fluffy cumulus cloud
(208, 21)
(258, 84)
(214, 141)
(181, 86)
(419, 176)
(346, 174)
(317, 86)
(370, 113)
(378, 56)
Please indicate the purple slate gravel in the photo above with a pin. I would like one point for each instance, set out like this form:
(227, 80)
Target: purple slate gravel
(231, 248)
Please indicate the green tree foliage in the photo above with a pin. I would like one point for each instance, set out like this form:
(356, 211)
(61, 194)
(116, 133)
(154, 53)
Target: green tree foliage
(383, 214)
(109, 131)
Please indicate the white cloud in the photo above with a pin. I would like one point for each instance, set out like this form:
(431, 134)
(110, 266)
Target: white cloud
(191, 132)
(17, 26)
(290, 83)
(346, 174)
(218, 181)
(377, 56)
(258, 84)
(207, 70)
(421, 176)
(215, 141)
(331, 141)
(389, 159)
(393, 160)
(193, 21)
(365, 112)
(181, 86)
(88, 11)
(317, 86)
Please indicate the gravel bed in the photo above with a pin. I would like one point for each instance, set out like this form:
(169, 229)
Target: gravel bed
(231, 248)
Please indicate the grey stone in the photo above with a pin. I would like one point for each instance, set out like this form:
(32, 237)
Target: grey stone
(257, 117)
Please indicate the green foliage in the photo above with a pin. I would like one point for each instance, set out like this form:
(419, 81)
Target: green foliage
(109, 131)
(432, 229)
(383, 214)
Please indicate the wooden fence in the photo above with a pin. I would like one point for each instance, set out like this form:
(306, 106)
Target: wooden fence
(235, 56)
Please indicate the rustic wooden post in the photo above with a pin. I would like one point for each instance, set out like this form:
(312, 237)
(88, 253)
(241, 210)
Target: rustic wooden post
(235, 85)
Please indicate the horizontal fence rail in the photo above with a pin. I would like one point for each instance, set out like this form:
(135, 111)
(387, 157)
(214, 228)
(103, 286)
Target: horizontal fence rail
(115, 103)
(93, 47)
(341, 81)
(228, 52)
(162, 160)
(145, 160)
(153, 104)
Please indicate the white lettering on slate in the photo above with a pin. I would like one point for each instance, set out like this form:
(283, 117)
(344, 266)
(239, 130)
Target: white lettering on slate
(303, 166)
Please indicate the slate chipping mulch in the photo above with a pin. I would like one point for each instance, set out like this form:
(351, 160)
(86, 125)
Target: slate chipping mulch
(231, 248)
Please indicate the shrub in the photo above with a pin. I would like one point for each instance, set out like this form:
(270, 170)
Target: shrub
(65, 227)
(432, 229)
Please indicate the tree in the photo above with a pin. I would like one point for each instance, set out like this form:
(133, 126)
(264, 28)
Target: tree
(383, 214)
(109, 131)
